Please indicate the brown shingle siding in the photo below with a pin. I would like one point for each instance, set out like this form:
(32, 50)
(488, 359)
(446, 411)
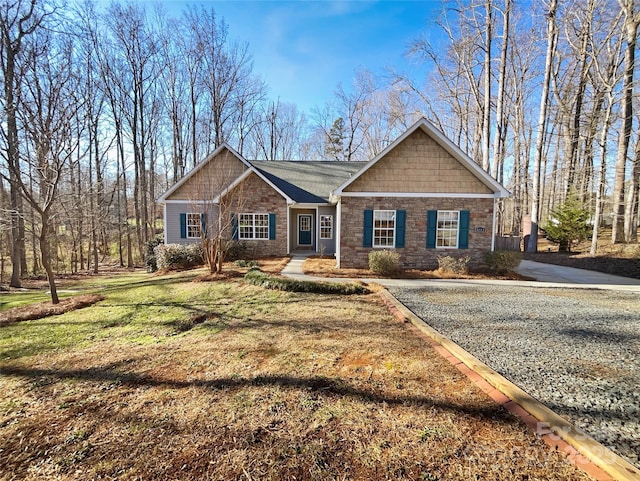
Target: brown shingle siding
(418, 164)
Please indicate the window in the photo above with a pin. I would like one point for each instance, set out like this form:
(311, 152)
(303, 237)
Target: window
(384, 227)
(326, 227)
(447, 228)
(253, 226)
(194, 225)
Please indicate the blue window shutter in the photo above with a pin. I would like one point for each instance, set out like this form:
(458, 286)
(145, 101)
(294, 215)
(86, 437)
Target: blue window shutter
(183, 226)
(401, 221)
(203, 224)
(234, 227)
(432, 224)
(272, 226)
(463, 231)
(367, 238)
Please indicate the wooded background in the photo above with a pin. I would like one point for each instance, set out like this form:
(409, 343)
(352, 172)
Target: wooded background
(104, 108)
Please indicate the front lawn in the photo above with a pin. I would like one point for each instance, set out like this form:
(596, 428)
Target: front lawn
(173, 379)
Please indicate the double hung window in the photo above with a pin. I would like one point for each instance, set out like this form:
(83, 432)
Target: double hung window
(253, 226)
(384, 228)
(326, 227)
(194, 225)
(447, 228)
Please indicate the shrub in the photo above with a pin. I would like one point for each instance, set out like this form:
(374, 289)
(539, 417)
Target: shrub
(246, 263)
(259, 278)
(179, 256)
(502, 261)
(150, 259)
(235, 250)
(451, 264)
(384, 263)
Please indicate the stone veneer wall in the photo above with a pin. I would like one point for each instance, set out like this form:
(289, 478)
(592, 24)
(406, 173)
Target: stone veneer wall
(415, 254)
(257, 197)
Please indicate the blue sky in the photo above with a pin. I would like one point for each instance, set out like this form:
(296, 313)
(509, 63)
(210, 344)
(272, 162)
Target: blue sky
(303, 49)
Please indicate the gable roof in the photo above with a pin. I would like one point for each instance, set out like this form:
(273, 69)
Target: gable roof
(164, 197)
(315, 182)
(307, 182)
(429, 129)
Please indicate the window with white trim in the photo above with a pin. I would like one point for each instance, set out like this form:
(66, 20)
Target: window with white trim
(326, 227)
(384, 228)
(253, 226)
(194, 225)
(447, 228)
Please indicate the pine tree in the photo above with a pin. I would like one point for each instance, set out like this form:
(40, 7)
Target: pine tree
(334, 148)
(569, 224)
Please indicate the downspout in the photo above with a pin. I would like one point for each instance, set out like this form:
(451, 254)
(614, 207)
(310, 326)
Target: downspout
(338, 229)
(493, 223)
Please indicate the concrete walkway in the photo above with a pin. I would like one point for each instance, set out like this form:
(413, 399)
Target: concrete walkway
(545, 275)
(293, 269)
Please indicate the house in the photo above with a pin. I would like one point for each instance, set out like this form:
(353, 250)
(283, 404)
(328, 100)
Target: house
(421, 196)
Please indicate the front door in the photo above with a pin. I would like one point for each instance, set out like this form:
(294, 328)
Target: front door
(304, 230)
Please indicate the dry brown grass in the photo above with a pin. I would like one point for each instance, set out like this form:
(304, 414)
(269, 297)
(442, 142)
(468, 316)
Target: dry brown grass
(274, 386)
(326, 267)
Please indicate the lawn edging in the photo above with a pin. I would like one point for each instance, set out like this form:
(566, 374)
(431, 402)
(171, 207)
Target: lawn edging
(582, 450)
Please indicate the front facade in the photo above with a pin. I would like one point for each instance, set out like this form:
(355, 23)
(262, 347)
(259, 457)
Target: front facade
(421, 197)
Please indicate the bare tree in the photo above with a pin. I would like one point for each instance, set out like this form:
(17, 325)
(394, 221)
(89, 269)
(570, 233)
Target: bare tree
(48, 104)
(631, 22)
(552, 40)
(218, 200)
(486, 106)
(18, 21)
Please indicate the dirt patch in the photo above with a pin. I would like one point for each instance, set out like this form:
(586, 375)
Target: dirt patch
(45, 309)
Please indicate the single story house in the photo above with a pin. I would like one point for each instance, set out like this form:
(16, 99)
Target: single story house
(421, 196)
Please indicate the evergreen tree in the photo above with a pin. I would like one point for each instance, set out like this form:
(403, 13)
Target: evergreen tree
(334, 148)
(569, 224)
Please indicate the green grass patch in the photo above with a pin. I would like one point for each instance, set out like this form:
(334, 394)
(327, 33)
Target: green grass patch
(139, 308)
(268, 281)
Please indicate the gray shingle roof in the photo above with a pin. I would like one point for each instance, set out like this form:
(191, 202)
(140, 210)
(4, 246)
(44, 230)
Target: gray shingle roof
(307, 182)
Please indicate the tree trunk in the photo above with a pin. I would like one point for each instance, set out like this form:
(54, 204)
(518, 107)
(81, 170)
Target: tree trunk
(486, 109)
(552, 38)
(45, 251)
(631, 31)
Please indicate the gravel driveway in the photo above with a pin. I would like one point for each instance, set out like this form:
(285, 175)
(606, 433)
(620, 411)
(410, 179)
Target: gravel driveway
(575, 350)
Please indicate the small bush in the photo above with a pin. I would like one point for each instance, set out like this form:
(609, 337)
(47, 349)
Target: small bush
(179, 256)
(259, 278)
(150, 260)
(451, 264)
(502, 261)
(235, 250)
(384, 263)
(246, 263)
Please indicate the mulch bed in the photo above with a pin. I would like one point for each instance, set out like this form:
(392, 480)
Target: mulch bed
(45, 309)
